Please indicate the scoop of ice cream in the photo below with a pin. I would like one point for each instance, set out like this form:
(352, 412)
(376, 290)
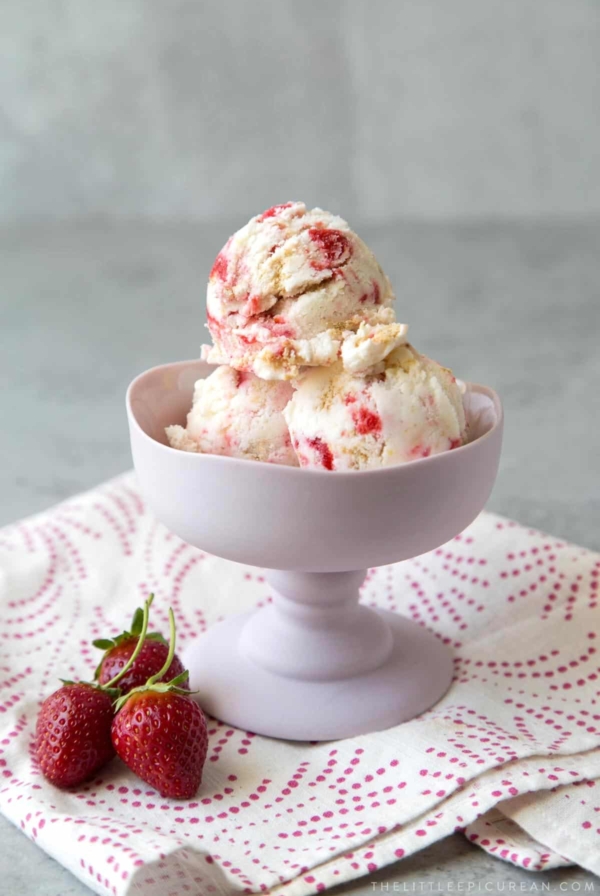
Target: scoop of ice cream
(235, 413)
(287, 288)
(404, 408)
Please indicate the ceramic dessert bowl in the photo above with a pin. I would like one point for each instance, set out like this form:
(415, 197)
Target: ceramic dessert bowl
(314, 664)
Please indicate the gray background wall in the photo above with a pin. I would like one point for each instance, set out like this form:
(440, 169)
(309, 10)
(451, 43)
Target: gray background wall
(376, 108)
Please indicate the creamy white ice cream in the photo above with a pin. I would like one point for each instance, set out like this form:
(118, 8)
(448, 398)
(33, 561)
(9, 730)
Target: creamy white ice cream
(236, 414)
(288, 288)
(405, 408)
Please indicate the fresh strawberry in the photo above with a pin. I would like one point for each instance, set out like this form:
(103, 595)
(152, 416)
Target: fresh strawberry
(160, 733)
(150, 659)
(73, 733)
(161, 736)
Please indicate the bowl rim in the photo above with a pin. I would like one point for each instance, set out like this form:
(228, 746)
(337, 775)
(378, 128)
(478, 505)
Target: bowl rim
(303, 471)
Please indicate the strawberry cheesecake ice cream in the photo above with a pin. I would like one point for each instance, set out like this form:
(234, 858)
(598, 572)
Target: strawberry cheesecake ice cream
(287, 290)
(405, 408)
(315, 371)
(236, 414)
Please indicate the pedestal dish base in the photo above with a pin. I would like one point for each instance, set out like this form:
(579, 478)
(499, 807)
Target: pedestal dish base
(235, 689)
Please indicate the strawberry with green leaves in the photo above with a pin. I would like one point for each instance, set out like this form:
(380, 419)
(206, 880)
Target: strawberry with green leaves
(151, 657)
(73, 732)
(159, 731)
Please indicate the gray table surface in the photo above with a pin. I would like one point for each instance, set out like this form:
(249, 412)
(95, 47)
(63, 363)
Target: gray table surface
(514, 305)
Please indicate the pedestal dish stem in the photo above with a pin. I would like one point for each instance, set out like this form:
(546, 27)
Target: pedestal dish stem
(315, 628)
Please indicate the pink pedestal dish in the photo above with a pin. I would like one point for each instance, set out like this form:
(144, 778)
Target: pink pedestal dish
(314, 664)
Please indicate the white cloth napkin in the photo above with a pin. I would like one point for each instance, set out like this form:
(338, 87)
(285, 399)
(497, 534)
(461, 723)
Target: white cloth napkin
(530, 829)
(519, 729)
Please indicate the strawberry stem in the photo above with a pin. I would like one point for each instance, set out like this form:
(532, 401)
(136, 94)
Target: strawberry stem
(138, 646)
(171, 653)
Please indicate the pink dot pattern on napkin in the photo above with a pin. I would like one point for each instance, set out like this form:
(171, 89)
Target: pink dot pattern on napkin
(518, 731)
